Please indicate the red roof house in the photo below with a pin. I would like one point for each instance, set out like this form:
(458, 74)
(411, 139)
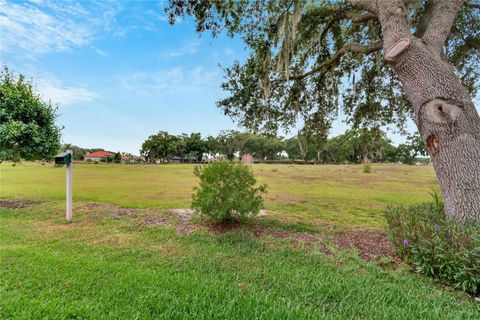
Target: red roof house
(98, 156)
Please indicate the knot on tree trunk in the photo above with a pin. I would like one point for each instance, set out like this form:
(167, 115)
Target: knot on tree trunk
(439, 111)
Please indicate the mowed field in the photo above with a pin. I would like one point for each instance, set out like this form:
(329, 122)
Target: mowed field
(337, 194)
(127, 255)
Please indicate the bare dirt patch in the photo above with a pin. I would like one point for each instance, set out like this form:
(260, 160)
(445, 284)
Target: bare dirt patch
(184, 224)
(222, 228)
(186, 228)
(119, 213)
(370, 244)
(181, 218)
(93, 205)
(17, 203)
(98, 210)
(156, 219)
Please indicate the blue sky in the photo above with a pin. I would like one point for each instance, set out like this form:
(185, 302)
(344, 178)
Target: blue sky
(118, 70)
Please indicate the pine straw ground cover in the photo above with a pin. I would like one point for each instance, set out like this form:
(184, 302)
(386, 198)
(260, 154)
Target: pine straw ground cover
(125, 263)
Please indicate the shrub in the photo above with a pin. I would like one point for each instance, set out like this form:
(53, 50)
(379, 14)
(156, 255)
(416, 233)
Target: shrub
(88, 161)
(227, 191)
(436, 246)
(367, 168)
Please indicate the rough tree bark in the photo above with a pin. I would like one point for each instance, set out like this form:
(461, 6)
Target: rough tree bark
(444, 112)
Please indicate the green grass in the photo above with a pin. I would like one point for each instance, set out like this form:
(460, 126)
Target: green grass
(103, 268)
(335, 194)
(99, 268)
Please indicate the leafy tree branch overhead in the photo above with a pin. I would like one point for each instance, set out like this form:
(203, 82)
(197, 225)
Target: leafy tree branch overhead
(332, 40)
(382, 62)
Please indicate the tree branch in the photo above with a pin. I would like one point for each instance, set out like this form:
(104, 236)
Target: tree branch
(352, 47)
(440, 19)
(424, 20)
(354, 17)
(368, 5)
(393, 18)
(360, 18)
(472, 5)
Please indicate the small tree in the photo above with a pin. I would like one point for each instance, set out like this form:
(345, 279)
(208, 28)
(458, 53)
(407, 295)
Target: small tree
(27, 124)
(263, 147)
(227, 191)
(117, 157)
(159, 146)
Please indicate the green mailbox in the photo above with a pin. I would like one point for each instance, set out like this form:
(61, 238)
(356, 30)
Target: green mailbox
(63, 158)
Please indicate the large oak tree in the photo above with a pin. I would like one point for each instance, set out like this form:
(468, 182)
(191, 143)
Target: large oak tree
(410, 58)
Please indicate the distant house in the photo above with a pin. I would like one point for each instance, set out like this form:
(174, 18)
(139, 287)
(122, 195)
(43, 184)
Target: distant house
(130, 158)
(178, 160)
(98, 156)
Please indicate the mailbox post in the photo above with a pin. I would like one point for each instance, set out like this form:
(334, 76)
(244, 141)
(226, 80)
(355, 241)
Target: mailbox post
(65, 158)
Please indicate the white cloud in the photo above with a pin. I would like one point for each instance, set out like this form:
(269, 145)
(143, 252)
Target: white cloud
(190, 47)
(66, 95)
(38, 27)
(175, 80)
(200, 76)
(158, 16)
(51, 89)
(100, 52)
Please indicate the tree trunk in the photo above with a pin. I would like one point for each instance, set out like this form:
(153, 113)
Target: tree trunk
(444, 112)
(365, 159)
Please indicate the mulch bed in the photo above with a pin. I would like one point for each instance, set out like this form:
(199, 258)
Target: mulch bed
(370, 244)
(17, 203)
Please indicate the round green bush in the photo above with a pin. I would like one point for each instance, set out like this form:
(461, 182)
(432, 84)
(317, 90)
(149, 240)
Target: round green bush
(227, 191)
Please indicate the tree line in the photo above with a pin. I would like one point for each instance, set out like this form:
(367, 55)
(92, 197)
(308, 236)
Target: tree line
(354, 146)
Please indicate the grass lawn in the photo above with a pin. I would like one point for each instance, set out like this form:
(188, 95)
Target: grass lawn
(112, 263)
(337, 194)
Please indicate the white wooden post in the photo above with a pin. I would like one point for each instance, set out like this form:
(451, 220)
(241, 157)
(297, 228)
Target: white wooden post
(69, 215)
